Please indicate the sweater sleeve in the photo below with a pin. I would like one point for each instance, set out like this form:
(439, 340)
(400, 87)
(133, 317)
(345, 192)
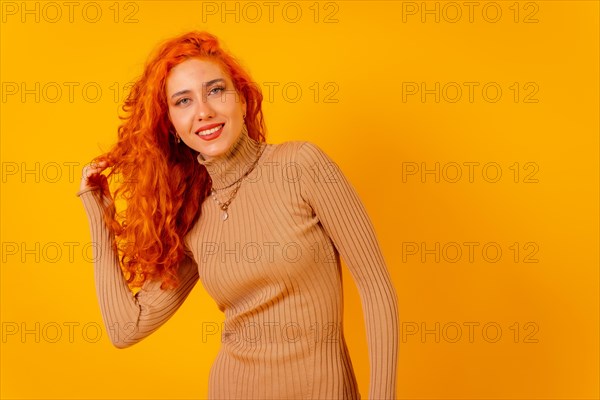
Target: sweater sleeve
(344, 218)
(129, 318)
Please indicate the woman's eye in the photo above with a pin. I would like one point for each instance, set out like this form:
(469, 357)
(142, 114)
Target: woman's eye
(216, 89)
(183, 101)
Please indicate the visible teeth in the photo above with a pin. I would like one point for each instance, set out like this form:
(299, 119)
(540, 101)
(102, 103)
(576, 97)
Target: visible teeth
(213, 130)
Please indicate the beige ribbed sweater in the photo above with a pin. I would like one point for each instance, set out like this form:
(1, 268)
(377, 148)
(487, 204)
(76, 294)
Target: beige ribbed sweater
(273, 267)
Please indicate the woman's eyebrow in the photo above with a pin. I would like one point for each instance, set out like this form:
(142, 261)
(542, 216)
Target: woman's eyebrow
(214, 81)
(186, 91)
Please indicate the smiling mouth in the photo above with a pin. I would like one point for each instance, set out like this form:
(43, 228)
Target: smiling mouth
(207, 132)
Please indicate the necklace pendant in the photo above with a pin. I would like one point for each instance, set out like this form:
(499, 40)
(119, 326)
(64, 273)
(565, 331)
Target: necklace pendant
(225, 215)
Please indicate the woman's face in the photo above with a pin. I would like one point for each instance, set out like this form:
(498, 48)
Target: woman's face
(204, 107)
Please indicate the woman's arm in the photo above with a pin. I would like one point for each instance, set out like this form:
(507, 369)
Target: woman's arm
(345, 220)
(128, 318)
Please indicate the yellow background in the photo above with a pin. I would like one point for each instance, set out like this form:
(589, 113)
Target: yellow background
(369, 53)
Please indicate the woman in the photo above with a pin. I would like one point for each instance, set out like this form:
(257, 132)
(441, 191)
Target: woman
(266, 244)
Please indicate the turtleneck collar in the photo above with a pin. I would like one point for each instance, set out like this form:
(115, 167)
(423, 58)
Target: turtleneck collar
(227, 168)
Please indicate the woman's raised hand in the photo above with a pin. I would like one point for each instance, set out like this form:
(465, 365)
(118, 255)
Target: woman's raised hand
(92, 177)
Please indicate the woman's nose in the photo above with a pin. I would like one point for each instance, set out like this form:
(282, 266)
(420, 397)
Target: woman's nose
(204, 110)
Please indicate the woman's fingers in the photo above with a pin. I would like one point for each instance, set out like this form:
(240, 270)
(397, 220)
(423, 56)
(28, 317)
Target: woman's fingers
(89, 171)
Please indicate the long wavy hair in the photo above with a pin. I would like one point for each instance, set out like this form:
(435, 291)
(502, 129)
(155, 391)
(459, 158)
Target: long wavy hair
(161, 181)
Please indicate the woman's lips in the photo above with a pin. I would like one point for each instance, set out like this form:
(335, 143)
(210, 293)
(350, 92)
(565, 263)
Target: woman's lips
(210, 132)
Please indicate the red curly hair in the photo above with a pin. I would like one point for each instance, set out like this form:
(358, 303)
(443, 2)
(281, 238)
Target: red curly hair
(161, 181)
